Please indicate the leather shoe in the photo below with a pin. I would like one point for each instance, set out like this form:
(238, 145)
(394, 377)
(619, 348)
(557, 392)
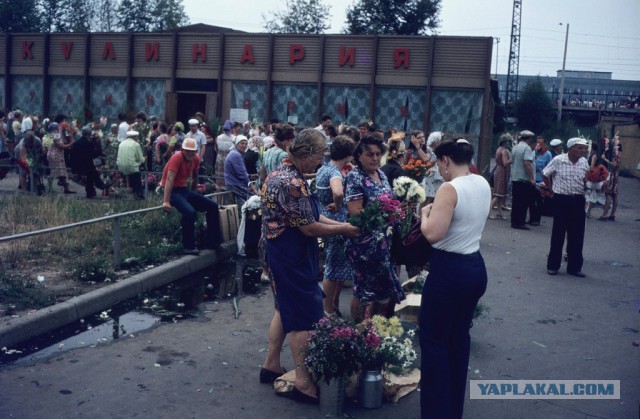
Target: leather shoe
(579, 274)
(552, 271)
(522, 227)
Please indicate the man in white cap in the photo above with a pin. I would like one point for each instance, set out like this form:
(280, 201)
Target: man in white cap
(196, 134)
(556, 147)
(181, 167)
(130, 157)
(565, 176)
(523, 180)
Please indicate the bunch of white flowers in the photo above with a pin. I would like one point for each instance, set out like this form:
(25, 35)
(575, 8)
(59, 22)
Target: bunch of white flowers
(407, 189)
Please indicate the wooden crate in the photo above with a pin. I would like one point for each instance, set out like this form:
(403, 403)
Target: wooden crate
(229, 222)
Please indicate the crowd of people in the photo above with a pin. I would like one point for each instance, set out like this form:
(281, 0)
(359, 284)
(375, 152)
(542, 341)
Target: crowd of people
(311, 183)
(544, 180)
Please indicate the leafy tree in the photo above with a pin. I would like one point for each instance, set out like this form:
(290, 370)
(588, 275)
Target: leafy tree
(20, 16)
(104, 17)
(168, 14)
(534, 108)
(135, 15)
(52, 15)
(392, 17)
(301, 16)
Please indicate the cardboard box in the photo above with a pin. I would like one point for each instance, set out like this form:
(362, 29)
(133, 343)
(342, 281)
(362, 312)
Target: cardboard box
(229, 222)
(409, 309)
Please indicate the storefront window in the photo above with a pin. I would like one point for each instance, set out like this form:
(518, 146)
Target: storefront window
(67, 96)
(402, 109)
(456, 111)
(108, 96)
(26, 94)
(297, 104)
(251, 96)
(347, 105)
(148, 96)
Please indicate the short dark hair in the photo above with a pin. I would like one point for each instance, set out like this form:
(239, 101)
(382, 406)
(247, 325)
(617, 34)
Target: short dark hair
(342, 147)
(332, 130)
(122, 116)
(162, 126)
(351, 132)
(142, 116)
(283, 132)
(460, 151)
(325, 117)
(362, 146)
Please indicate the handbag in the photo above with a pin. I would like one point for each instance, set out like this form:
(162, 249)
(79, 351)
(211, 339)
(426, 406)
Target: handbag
(413, 248)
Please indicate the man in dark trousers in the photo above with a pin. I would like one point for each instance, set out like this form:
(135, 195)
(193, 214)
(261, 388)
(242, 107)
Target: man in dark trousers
(523, 180)
(181, 167)
(565, 176)
(82, 163)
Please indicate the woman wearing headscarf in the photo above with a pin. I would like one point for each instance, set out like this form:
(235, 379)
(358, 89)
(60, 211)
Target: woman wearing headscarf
(433, 180)
(55, 156)
(236, 178)
(291, 224)
(453, 224)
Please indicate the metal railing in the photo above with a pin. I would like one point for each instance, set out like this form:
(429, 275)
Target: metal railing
(115, 218)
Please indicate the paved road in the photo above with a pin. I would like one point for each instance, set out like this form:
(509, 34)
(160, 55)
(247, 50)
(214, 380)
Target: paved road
(538, 327)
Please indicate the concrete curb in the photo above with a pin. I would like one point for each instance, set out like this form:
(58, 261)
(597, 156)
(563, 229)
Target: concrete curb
(16, 330)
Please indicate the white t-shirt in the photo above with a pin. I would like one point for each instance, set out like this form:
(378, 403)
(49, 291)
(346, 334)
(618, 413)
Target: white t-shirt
(123, 128)
(200, 138)
(469, 215)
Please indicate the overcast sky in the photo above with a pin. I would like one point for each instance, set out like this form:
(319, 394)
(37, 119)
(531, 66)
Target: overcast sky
(603, 34)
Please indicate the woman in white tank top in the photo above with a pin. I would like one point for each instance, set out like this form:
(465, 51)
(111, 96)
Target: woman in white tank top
(457, 279)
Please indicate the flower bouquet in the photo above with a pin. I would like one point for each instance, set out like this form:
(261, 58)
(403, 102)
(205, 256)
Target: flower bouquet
(335, 350)
(384, 212)
(385, 345)
(408, 190)
(597, 174)
(417, 168)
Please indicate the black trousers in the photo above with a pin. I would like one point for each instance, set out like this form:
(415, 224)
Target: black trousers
(568, 219)
(522, 196)
(535, 206)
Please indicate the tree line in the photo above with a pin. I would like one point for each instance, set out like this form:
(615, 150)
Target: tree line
(363, 17)
(91, 15)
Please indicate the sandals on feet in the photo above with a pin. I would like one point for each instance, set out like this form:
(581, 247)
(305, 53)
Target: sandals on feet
(299, 396)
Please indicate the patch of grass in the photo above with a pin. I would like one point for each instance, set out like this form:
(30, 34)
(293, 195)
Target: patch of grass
(91, 270)
(18, 292)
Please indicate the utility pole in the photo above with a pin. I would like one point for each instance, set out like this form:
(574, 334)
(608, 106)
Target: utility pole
(497, 51)
(511, 94)
(564, 61)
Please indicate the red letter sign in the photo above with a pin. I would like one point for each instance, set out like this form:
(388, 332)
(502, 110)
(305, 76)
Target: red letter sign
(108, 51)
(151, 52)
(296, 53)
(347, 54)
(26, 50)
(247, 55)
(202, 51)
(66, 49)
(401, 56)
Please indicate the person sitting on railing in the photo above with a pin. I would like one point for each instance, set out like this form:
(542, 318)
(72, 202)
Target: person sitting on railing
(181, 167)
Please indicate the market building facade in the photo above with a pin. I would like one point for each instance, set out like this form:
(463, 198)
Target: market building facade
(406, 82)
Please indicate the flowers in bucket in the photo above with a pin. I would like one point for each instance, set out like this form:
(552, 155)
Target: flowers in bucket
(597, 174)
(417, 168)
(386, 211)
(386, 345)
(410, 191)
(335, 350)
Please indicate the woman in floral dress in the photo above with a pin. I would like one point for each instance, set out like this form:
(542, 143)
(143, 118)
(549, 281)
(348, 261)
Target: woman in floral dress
(611, 186)
(55, 156)
(376, 286)
(330, 186)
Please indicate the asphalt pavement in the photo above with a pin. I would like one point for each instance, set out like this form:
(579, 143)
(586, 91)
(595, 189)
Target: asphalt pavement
(538, 327)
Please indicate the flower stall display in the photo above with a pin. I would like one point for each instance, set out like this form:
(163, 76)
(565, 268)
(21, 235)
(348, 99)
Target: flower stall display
(410, 191)
(385, 345)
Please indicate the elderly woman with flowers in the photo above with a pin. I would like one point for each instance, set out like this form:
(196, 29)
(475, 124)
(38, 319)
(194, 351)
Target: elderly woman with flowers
(291, 224)
(376, 286)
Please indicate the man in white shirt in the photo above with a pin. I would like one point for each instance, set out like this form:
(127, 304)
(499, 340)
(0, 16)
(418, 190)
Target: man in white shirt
(324, 121)
(196, 134)
(565, 176)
